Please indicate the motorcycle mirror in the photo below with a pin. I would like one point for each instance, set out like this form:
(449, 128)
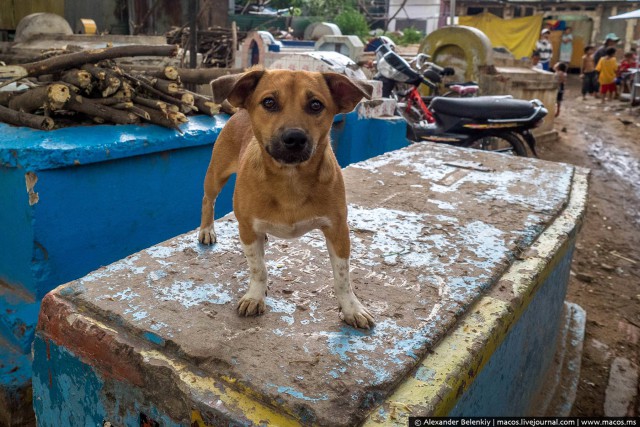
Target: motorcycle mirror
(448, 71)
(433, 76)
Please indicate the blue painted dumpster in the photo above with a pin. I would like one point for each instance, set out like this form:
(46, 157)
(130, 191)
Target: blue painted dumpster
(462, 256)
(78, 198)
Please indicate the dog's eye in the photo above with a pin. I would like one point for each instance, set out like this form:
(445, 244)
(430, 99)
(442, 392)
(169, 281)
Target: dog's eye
(315, 106)
(269, 103)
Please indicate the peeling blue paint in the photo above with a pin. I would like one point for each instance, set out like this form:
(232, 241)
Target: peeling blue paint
(190, 294)
(281, 306)
(425, 374)
(154, 338)
(67, 392)
(297, 394)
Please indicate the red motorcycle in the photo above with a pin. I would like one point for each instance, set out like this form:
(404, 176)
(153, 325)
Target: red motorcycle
(492, 123)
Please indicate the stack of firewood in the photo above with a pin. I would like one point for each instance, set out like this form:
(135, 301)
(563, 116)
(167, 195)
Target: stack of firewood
(217, 45)
(90, 86)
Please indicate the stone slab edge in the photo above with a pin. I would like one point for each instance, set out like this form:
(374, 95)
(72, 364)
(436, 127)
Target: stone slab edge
(446, 373)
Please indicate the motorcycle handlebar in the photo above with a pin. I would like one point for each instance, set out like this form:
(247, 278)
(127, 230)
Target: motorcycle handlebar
(443, 71)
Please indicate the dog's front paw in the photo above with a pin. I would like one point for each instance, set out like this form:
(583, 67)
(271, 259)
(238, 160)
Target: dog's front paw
(207, 236)
(356, 315)
(248, 306)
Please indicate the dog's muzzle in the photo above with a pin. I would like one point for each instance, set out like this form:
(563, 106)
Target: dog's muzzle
(291, 147)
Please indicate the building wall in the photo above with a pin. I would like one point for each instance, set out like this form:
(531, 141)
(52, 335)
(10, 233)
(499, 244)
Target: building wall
(424, 12)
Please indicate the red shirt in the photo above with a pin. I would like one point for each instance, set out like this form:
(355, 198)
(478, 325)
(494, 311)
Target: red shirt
(625, 65)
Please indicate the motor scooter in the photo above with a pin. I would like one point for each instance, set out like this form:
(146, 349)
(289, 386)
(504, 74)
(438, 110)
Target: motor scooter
(492, 123)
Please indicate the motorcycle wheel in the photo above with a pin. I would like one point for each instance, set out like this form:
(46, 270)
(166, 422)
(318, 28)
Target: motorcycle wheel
(506, 142)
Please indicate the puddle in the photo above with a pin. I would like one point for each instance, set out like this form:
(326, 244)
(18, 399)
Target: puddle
(620, 163)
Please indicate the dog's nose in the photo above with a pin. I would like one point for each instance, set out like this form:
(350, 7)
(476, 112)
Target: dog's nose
(294, 139)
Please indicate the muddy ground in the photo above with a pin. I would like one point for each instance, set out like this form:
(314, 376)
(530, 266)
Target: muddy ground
(605, 276)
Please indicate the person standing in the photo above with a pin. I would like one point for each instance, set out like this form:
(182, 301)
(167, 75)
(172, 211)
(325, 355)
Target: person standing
(610, 40)
(560, 70)
(566, 46)
(588, 73)
(545, 49)
(607, 67)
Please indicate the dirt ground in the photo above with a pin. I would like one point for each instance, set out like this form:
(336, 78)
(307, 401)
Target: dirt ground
(605, 276)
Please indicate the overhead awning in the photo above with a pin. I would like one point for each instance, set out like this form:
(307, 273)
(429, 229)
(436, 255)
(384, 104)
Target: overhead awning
(634, 14)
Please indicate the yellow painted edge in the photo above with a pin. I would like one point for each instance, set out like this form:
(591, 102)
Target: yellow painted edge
(254, 411)
(450, 369)
(443, 375)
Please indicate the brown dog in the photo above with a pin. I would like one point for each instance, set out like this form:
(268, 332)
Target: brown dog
(288, 180)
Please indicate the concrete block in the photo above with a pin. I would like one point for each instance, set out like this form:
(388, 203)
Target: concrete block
(451, 248)
(75, 199)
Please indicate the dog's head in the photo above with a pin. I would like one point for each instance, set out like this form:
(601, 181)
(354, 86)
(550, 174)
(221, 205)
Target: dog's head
(291, 111)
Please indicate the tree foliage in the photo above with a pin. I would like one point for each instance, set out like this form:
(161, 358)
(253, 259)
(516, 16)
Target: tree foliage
(352, 22)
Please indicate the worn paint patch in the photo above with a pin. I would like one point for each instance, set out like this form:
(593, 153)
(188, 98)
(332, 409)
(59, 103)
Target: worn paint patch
(188, 294)
(31, 179)
(298, 394)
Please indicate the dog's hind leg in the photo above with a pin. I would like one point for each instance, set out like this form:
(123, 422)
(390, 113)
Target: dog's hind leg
(351, 309)
(252, 303)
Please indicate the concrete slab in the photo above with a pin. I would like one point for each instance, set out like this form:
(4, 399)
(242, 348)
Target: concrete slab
(432, 229)
(622, 388)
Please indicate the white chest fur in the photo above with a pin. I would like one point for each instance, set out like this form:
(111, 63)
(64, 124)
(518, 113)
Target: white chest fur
(289, 231)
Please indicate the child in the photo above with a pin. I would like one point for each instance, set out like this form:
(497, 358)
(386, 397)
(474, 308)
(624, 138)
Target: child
(535, 60)
(623, 71)
(588, 73)
(561, 77)
(607, 67)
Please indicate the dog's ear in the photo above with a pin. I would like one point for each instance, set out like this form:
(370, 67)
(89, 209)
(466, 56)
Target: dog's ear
(347, 93)
(235, 88)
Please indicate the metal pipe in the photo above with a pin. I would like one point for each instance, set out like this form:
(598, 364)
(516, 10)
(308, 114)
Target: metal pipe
(452, 12)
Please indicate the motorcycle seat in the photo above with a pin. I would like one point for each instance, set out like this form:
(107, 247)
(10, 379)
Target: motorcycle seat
(483, 107)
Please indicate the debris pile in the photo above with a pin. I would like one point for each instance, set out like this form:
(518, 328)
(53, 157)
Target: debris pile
(216, 44)
(71, 88)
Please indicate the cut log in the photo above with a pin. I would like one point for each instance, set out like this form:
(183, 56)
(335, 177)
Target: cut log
(205, 104)
(139, 112)
(225, 107)
(166, 86)
(79, 78)
(108, 81)
(159, 118)
(91, 56)
(188, 101)
(46, 78)
(93, 109)
(207, 107)
(110, 101)
(177, 117)
(51, 97)
(201, 76)
(168, 73)
(151, 103)
(148, 86)
(6, 96)
(20, 118)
